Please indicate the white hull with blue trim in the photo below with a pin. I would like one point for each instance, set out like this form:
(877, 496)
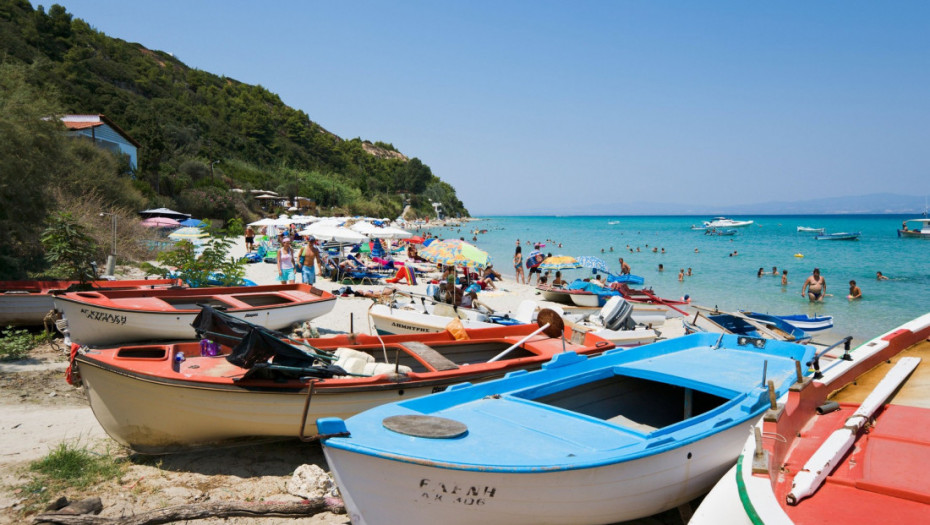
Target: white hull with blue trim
(626, 435)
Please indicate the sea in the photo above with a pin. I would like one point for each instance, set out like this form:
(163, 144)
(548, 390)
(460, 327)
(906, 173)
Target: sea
(724, 269)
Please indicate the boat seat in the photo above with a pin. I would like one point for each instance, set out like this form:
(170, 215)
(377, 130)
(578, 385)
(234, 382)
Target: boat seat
(430, 355)
(625, 422)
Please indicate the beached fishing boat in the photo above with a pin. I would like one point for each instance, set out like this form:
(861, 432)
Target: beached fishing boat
(839, 236)
(744, 323)
(724, 222)
(608, 323)
(809, 323)
(848, 447)
(26, 303)
(921, 232)
(555, 294)
(621, 436)
(808, 229)
(105, 317)
(158, 398)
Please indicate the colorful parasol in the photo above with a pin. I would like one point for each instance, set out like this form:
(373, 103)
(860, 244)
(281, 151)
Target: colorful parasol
(597, 263)
(456, 253)
(559, 262)
(189, 232)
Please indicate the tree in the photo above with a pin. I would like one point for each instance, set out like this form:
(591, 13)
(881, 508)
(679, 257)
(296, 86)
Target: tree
(68, 248)
(184, 263)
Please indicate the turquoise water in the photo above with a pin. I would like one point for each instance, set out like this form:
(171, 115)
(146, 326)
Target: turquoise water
(731, 283)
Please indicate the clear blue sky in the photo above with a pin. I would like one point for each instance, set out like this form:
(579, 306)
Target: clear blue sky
(529, 104)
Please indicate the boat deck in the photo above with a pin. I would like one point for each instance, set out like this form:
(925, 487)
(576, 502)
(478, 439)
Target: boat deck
(168, 303)
(884, 474)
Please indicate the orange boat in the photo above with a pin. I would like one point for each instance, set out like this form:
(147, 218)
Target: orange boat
(26, 303)
(160, 398)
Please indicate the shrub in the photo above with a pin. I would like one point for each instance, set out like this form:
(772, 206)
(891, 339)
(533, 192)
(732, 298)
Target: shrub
(16, 344)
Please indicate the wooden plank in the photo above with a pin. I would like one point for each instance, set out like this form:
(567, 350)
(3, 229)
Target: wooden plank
(430, 355)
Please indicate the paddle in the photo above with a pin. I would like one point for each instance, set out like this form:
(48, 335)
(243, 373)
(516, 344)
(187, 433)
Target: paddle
(548, 322)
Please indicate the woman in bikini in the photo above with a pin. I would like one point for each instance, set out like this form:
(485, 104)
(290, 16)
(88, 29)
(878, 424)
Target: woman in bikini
(518, 264)
(816, 286)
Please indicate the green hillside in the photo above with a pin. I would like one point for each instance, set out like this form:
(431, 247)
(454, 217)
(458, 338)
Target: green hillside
(186, 118)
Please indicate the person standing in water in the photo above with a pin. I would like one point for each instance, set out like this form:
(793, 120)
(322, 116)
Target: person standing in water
(816, 286)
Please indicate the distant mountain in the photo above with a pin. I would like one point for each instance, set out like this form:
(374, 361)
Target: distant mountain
(875, 203)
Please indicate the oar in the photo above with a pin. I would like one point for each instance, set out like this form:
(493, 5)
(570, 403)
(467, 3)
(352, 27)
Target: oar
(551, 320)
(827, 457)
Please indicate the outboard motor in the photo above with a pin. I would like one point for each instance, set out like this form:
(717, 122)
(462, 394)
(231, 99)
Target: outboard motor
(617, 314)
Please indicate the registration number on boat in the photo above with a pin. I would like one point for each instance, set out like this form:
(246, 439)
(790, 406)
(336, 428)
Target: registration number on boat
(443, 492)
(103, 317)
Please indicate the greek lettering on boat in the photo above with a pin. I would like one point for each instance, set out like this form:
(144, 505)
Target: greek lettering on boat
(440, 491)
(103, 317)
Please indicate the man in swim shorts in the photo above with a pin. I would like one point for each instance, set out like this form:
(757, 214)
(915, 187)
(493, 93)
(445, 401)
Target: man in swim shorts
(816, 286)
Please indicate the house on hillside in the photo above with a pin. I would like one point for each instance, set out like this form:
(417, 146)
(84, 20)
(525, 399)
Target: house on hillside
(105, 134)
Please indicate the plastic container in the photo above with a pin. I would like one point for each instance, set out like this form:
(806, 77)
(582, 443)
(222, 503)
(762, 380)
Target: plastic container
(179, 357)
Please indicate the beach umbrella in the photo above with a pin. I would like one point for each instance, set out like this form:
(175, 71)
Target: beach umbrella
(427, 242)
(164, 212)
(416, 240)
(328, 232)
(456, 253)
(196, 223)
(559, 262)
(188, 233)
(160, 222)
(376, 232)
(588, 261)
(262, 222)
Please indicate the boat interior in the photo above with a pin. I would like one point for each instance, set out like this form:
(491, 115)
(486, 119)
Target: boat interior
(635, 403)
(193, 302)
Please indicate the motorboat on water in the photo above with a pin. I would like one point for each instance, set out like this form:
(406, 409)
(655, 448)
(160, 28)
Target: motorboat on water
(850, 445)
(612, 438)
(808, 229)
(921, 232)
(106, 317)
(246, 382)
(720, 231)
(724, 223)
(839, 236)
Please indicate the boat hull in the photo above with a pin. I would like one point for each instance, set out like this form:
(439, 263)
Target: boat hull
(807, 323)
(396, 321)
(92, 322)
(378, 491)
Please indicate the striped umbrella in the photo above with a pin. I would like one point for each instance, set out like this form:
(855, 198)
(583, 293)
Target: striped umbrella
(597, 263)
(189, 232)
(559, 262)
(456, 253)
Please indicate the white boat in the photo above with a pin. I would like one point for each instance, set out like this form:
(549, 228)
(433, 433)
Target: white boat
(623, 436)
(724, 222)
(388, 320)
(808, 229)
(111, 317)
(921, 232)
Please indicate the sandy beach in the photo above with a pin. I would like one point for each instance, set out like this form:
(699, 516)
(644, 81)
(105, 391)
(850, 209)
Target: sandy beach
(39, 410)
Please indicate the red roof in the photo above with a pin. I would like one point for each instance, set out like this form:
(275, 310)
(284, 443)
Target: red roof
(81, 125)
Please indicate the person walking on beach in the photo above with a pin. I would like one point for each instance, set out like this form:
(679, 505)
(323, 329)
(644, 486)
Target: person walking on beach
(308, 257)
(518, 263)
(854, 291)
(249, 239)
(286, 262)
(816, 286)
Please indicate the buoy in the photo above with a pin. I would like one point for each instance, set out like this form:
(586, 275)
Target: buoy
(799, 255)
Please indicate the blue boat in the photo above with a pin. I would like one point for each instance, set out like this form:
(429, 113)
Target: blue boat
(839, 236)
(780, 326)
(625, 435)
(808, 323)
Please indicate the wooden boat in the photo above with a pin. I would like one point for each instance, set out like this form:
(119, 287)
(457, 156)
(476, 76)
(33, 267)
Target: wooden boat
(744, 323)
(625, 435)
(807, 229)
(811, 461)
(152, 400)
(808, 323)
(114, 317)
(26, 303)
(555, 294)
(388, 320)
(839, 236)
(923, 232)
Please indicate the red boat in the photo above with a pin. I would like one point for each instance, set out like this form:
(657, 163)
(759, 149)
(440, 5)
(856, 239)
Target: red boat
(26, 303)
(850, 447)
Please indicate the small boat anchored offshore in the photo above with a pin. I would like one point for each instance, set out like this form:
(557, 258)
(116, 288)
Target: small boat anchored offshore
(807, 229)
(839, 236)
(923, 232)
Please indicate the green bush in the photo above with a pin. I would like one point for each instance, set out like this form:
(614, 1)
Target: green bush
(68, 466)
(16, 344)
